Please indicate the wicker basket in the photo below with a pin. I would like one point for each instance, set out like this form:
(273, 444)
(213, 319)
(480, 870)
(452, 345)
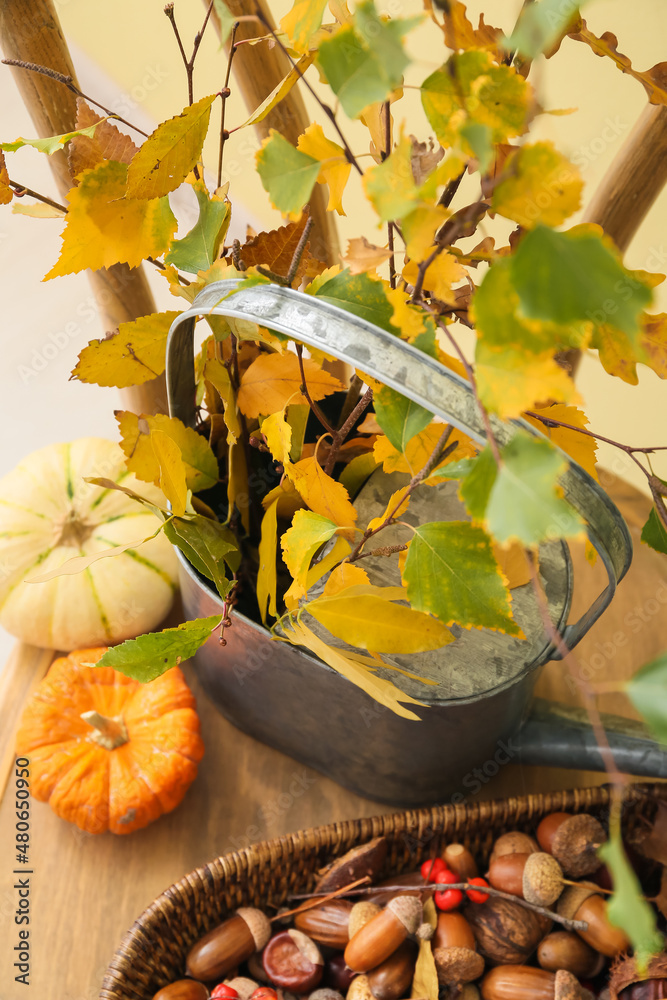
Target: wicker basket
(153, 951)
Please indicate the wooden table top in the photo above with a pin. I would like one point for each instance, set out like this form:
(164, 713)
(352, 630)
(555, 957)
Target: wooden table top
(87, 890)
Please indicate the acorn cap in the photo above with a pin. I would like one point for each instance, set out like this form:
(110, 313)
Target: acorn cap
(306, 946)
(542, 879)
(244, 987)
(458, 965)
(258, 925)
(360, 914)
(325, 994)
(568, 987)
(573, 896)
(359, 989)
(425, 931)
(409, 910)
(624, 972)
(513, 842)
(575, 845)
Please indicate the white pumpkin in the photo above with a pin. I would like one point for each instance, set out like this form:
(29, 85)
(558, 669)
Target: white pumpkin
(48, 515)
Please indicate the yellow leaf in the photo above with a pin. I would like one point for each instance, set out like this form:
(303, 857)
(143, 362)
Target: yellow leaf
(379, 625)
(425, 984)
(216, 373)
(302, 22)
(37, 210)
(419, 450)
(237, 484)
(267, 577)
(511, 380)
(440, 276)
(103, 228)
(131, 356)
(274, 380)
(330, 272)
(407, 318)
(278, 434)
(581, 447)
(653, 341)
(201, 466)
(363, 256)
(460, 34)
(397, 506)
(540, 185)
(390, 186)
(344, 576)
(454, 364)
(172, 471)
(170, 152)
(512, 561)
(380, 690)
(374, 120)
(323, 494)
(6, 193)
(334, 166)
(340, 550)
(309, 531)
(289, 499)
(419, 229)
(281, 91)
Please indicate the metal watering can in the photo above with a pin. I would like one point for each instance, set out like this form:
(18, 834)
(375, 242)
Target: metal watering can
(285, 697)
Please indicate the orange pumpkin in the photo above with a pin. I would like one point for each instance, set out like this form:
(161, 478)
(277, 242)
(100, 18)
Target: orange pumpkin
(107, 752)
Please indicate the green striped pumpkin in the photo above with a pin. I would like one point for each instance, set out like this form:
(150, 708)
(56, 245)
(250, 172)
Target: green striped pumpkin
(48, 515)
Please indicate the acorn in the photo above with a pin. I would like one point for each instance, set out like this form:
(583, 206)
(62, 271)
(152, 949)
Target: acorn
(567, 950)
(459, 860)
(573, 841)
(506, 933)
(359, 989)
(582, 902)
(227, 945)
(456, 965)
(514, 842)
(627, 983)
(392, 978)
(367, 859)
(336, 973)
(327, 924)
(537, 877)
(360, 914)
(522, 982)
(453, 931)
(183, 989)
(381, 936)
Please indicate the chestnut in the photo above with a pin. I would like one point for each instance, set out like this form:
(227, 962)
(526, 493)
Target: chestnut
(293, 961)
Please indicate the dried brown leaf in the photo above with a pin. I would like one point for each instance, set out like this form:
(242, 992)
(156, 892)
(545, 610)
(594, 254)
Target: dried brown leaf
(6, 192)
(363, 256)
(654, 80)
(424, 158)
(108, 143)
(460, 34)
(275, 250)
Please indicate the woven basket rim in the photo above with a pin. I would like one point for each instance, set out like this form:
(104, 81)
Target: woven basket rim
(420, 824)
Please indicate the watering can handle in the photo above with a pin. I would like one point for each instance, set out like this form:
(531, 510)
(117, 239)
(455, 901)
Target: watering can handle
(318, 323)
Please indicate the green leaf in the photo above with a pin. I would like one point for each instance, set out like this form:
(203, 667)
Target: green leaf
(390, 185)
(364, 61)
(647, 691)
(470, 90)
(540, 25)
(226, 18)
(654, 533)
(524, 502)
(150, 656)
(361, 295)
(451, 572)
(480, 139)
(627, 908)
(287, 174)
(356, 472)
(476, 486)
(200, 247)
(572, 276)
(131, 356)
(51, 144)
(455, 470)
(208, 545)
(170, 152)
(399, 417)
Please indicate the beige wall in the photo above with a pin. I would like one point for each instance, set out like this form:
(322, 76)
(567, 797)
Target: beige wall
(132, 41)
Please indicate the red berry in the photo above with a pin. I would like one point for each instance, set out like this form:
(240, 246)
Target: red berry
(473, 895)
(448, 899)
(447, 877)
(262, 993)
(431, 869)
(224, 992)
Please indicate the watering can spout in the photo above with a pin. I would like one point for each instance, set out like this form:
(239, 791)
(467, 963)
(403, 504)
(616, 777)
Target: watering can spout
(556, 735)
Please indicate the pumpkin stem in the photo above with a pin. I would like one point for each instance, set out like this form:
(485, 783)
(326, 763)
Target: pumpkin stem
(108, 732)
(72, 529)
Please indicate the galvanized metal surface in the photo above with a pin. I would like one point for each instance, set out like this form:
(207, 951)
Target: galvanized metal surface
(288, 699)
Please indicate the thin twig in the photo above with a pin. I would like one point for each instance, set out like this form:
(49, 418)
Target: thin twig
(628, 449)
(311, 904)
(188, 63)
(304, 392)
(342, 432)
(21, 190)
(224, 93)
(68, 82)
(571, 925)
(298, 253)
(386, 110)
